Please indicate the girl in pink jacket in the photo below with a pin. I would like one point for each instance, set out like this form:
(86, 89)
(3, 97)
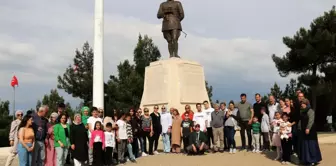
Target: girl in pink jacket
(97, 143)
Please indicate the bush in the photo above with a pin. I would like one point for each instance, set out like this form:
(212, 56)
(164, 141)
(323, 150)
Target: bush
(4, 137)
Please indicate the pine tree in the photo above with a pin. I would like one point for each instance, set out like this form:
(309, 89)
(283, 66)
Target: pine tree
(77, 79)
(309, 50)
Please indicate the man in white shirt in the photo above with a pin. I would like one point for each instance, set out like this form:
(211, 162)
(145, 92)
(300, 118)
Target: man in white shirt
(91, 122)
(329, 121)
(166, 123)
(273, 107)
(207, 111)
(200, 118)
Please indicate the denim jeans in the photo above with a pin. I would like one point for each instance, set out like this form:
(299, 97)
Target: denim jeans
(231, 134)
(61, 155)
(39, 153)
(142, 144)
(130, 151)
(25, 157)
(166, 142)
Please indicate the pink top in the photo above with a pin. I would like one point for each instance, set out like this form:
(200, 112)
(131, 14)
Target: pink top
(95, 134)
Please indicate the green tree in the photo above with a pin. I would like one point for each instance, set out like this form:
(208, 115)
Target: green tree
(125, 90)
(276, 91)
(265, 98)
(77, 79)
(52, 100)
(4, 109)
(144, 53)
(209, 90)
(5, 121)
(309, 50)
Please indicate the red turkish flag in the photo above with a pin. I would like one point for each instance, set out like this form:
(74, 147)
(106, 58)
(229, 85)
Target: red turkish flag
(14, 82)
(75, 68)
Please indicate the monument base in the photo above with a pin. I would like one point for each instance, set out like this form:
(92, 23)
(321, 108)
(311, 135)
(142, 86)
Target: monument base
(174, 83)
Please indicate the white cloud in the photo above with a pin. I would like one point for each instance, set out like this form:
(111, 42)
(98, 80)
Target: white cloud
(38, 40)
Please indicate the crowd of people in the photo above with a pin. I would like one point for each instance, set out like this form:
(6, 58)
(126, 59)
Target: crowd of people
(98, 138)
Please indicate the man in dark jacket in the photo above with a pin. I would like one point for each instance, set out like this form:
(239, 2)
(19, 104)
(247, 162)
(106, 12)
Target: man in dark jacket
(197, 141)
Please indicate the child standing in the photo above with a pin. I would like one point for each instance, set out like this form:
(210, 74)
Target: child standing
(97, 143)
(109, 144)
(256, 135)
(186, 129)
(265, 129)
(276, 136)
(286, 139)
(129, 131)
(122, 138)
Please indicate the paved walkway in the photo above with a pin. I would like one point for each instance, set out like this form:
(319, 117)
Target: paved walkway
(327, 144)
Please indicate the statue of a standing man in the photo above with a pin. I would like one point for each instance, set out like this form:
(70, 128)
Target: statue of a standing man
(172, 13)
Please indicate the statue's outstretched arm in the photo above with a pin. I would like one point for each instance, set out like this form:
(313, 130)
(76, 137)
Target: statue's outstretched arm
(160, 13)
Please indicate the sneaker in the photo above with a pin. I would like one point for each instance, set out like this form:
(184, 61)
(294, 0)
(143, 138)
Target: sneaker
(143, 154)
(258, 151)
(133, 160)
(231, 151)
(284, 163)
(234, 151)
(253, 151)
(156, 152)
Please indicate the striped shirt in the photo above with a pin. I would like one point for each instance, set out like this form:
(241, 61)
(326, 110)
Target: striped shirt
(129, 131)
(256, 128)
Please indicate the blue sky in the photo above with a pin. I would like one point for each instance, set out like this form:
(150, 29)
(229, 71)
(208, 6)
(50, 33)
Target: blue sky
(233, 40)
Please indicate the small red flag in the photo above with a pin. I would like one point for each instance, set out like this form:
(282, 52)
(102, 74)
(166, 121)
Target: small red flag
(75, 68)
(14, 82)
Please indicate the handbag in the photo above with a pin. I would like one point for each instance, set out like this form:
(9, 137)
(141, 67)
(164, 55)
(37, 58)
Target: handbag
(236, 127)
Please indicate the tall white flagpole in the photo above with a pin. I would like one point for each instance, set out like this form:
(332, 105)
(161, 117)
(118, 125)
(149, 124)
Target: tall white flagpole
(98, 59)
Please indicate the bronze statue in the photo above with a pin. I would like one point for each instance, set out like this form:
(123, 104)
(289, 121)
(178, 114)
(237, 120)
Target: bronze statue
(172, 13)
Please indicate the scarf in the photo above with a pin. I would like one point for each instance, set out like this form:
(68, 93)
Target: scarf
(85, 117)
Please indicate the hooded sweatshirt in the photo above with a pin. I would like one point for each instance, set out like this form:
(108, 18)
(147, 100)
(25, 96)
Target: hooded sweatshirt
(85, 117)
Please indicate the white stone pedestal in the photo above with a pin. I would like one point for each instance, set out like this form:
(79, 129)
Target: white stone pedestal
(174, 82)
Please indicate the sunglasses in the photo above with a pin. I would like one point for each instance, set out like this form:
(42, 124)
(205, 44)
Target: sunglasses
(163, 108)
(146, 111)
(19, 114)
(156, 108)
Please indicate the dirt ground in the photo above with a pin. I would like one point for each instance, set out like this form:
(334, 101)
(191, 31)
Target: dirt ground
(219, 159)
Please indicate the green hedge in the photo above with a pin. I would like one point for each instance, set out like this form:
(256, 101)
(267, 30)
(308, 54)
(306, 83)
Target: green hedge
(4, 137)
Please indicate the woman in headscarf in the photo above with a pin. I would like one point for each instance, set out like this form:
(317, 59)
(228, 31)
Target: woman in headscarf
(309, 150)
(50, 159)
(176, 132)
(85, 114)
(13, 139)
(79, 141)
